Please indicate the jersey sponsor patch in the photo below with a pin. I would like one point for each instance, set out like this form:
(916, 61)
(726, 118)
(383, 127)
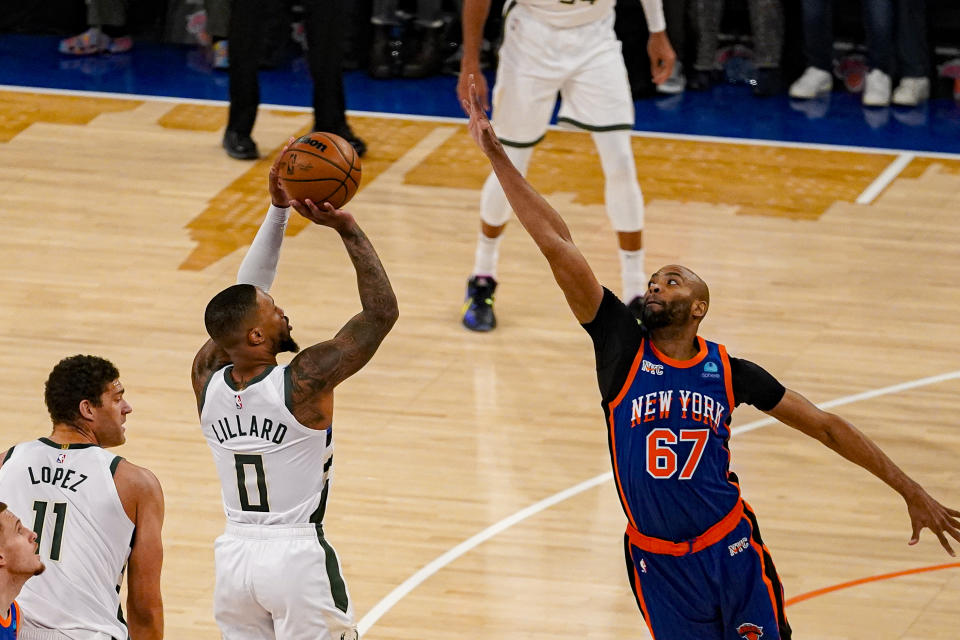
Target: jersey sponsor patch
(710, 370)
(750, 631)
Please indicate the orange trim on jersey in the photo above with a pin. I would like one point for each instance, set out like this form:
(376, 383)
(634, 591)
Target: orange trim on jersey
(763, 566)
(682, 364)
(630, 376)
(710, 537)
(642, 602)
(728, 383)
(6, 622)
(613, 436)
(727, 377)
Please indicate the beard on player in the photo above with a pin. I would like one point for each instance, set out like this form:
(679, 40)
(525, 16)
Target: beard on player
(658, 316)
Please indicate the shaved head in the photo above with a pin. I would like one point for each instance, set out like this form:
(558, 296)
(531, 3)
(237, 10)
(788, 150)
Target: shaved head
(699, 288)
(675, 297)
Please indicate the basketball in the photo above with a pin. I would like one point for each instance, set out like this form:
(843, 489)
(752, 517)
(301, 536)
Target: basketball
(322, 167)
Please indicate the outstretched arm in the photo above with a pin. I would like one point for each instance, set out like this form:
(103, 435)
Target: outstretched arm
(542, 222)
(259, 268)
(323, 366)
(796, 411)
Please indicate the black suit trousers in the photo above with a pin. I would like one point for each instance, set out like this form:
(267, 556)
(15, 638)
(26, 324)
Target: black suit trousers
(324, 21)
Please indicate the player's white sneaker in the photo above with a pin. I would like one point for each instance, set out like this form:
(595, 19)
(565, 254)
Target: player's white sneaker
(812, 83)
(911, 91)
(876, 89)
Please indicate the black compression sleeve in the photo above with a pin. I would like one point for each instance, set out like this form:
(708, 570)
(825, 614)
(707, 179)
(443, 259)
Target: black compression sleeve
(616, 339)
(753, 385)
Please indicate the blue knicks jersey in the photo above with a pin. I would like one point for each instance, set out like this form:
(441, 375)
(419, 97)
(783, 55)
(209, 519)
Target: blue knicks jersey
(668, 430)
(9, 624)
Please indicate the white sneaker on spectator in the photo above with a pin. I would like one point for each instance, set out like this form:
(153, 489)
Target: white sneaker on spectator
(876, 89)
(911, 91)
(676, 83)
(812, 83)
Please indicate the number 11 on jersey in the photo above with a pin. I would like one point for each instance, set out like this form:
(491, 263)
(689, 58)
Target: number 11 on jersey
(60, 511)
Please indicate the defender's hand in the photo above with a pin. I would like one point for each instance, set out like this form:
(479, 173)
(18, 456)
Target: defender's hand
(925, 512)
(278, 197)
(480, 128)
(662, 57)
(325, 215)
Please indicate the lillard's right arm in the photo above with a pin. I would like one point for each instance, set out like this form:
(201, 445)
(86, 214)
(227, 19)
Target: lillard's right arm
(317, 370)
(542, 222)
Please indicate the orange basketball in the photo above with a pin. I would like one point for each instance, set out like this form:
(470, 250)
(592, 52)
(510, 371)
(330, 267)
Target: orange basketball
(322, 167)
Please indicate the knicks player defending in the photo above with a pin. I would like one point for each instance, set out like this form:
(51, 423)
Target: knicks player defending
(565, 46)
(695, 559)
(19, 561)
(270, 429)
(85, 504)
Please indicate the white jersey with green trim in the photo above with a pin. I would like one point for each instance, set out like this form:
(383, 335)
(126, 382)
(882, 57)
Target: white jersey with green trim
(67, 495)
(566, 13)
(273, 470)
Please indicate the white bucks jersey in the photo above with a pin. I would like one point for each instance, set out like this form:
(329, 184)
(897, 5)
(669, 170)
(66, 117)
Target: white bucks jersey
(66, 494)
(565, 13)
(273, 470)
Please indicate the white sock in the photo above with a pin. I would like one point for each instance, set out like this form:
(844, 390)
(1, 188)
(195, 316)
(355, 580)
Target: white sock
(632, 273)
(487, 256)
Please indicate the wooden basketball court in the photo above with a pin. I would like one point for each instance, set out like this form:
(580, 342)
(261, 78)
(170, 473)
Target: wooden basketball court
(122, 218)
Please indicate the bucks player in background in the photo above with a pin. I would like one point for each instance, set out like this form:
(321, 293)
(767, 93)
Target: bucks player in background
(19, 561)
(695, 558)
(270, 429)
(84, 503)
(565, 46)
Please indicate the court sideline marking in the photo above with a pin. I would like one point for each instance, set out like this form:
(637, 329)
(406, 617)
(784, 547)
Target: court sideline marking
(757, 142)
(884, 179)
(441, 561)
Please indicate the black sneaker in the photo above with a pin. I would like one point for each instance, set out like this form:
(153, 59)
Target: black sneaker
(478, 306)
(240, 146)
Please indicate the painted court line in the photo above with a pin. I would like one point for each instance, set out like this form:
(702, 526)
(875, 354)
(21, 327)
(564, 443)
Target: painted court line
(757, 142)
(884, 179)
(860, 581)
(411, 583)
(441, 561)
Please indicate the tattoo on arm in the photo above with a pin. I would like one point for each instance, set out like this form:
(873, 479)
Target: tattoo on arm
(323, 366)
(208, 360)
(376, 295)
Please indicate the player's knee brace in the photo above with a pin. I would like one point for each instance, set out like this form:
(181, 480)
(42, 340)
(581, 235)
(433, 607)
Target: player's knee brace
(494, 208)
(621, 191)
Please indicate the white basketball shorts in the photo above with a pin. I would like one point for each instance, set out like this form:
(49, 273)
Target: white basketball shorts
(280, 582)
(583, 63)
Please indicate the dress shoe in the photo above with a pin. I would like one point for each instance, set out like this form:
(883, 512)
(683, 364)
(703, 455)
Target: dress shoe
(240, 146)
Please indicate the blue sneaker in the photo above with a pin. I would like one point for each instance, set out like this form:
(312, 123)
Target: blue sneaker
(478, 306)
